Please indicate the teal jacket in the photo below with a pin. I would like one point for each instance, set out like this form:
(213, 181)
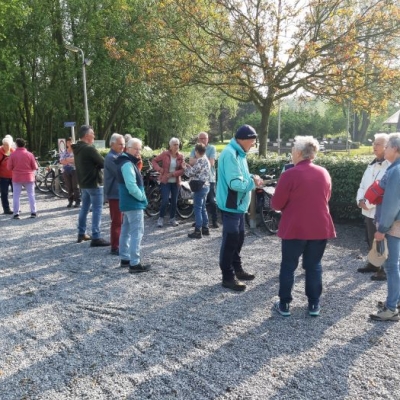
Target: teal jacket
(234, 181)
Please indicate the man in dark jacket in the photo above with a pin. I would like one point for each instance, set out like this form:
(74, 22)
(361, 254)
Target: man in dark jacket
(132, 202)
(89, 164)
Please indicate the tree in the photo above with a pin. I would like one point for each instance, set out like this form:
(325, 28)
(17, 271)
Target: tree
(263, 51)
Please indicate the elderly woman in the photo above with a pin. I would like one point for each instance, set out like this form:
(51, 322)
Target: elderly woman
(169, 164)
(302, 194)
(5, 173)
(388, 225)
(200, 172)
(23, 165)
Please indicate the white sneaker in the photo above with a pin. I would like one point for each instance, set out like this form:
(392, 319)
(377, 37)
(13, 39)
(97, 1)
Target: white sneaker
(160, 222)
(385, 315)
(173, 222)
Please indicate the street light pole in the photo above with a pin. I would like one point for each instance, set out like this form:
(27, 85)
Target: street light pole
(85, 62)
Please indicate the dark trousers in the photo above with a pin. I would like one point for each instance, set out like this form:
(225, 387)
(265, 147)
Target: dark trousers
(312, 251)
(5, 183)
(116, 222)
(232, 242)
(211, 202)
(370, 228)
(71, 184)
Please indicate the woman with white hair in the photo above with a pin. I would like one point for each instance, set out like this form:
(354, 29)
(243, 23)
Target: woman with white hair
(170, 164)
(388, 226)
(302, 194)
(5, 174)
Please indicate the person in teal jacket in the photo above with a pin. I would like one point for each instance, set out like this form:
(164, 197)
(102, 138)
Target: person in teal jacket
(234, 186)
(132, 202)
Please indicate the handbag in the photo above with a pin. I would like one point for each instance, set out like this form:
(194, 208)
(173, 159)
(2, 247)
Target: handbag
(196, 185)
(378, 253)
(374, 193)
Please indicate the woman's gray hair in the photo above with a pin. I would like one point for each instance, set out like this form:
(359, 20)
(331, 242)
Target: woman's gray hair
(8, 140)
(394, 141)
(114, 137)
(381, 136)
(307, 145)
(127, 137)
(132, 142)
(173, 141)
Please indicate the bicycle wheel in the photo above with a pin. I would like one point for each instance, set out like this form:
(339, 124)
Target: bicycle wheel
(40, 180)
(49, 179)
(184, 207)
(58, 187)
(154, 202)
(271, 219)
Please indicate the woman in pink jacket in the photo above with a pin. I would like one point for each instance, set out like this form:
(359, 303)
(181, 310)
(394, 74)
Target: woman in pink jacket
(302, 194)
(169, 164)
(23, 165)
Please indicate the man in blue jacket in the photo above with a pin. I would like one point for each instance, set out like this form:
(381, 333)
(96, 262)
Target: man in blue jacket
(132, 202)
(234, 186)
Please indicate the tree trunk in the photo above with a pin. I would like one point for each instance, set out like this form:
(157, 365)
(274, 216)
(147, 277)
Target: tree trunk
(263, 133)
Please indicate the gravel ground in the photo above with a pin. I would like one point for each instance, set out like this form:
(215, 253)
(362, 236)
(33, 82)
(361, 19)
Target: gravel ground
(74, 325)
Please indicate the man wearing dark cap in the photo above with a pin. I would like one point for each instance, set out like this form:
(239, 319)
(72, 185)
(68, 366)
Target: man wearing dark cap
(89, 164)
(234, 186)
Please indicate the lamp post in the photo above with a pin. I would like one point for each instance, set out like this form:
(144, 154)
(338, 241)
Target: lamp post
(85, 62)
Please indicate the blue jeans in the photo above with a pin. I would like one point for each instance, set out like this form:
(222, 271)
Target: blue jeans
(232, 242)
(312, 251)
(5, 183)
(199, 205)
(92, 197)
(392, 272)
(131, 236)
(166, 189)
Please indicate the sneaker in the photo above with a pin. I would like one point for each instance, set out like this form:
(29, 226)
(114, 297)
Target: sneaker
(8, 212)
(195, 235)
(16, 216)
(84, 237)
(215, 225)
(124, 264)
(244, 276)
(160, 222)
(138, 268)
(313, 311)
(385, 315)
(100, 242)
(368, 268)
(33, 215)
(382, 304)
(282, 309)
(234, 284)
(114, 252)
(379, 276)
(205, 231)
(173, 222)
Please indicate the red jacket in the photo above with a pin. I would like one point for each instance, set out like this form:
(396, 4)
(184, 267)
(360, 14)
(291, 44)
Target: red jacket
(165, 160)
(23, 165)
(4, 171)
(302, 194)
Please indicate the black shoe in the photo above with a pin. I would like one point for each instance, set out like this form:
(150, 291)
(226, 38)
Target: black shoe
(114, 252)
(215, 225)
(205, 231)
(33, 215)
(100, 242)
(138, 268)
(124, 264)
(84, 237)
(194, 225)
(244, 276)
(77, 204)
(368, 268)
(234, 285)
(69, 205)
(379, 276)
(16, 216)
(195, 235)
(8, 212)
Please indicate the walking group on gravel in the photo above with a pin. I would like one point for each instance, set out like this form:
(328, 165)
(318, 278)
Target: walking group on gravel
(302, 195)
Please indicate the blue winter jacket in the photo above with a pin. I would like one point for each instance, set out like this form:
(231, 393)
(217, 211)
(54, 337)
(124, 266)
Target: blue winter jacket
(234, 181)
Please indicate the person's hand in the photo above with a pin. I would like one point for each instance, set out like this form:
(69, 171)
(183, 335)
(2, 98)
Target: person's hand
(257, 180)
(378, 236)
(362, 205)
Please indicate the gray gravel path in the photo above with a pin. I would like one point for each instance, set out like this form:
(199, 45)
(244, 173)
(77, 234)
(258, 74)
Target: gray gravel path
(76, 326)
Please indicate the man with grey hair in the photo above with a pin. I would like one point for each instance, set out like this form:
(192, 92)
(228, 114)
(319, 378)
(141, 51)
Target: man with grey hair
(111, 191)
(374, 171)
(89, 164)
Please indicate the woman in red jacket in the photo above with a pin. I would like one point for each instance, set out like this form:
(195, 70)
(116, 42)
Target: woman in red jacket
(169, 164)
(302, 194)
(5, 173)
(23, 165)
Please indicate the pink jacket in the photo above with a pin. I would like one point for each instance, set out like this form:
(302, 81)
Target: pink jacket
(165, 160)
(302, 194)
(23, 165)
